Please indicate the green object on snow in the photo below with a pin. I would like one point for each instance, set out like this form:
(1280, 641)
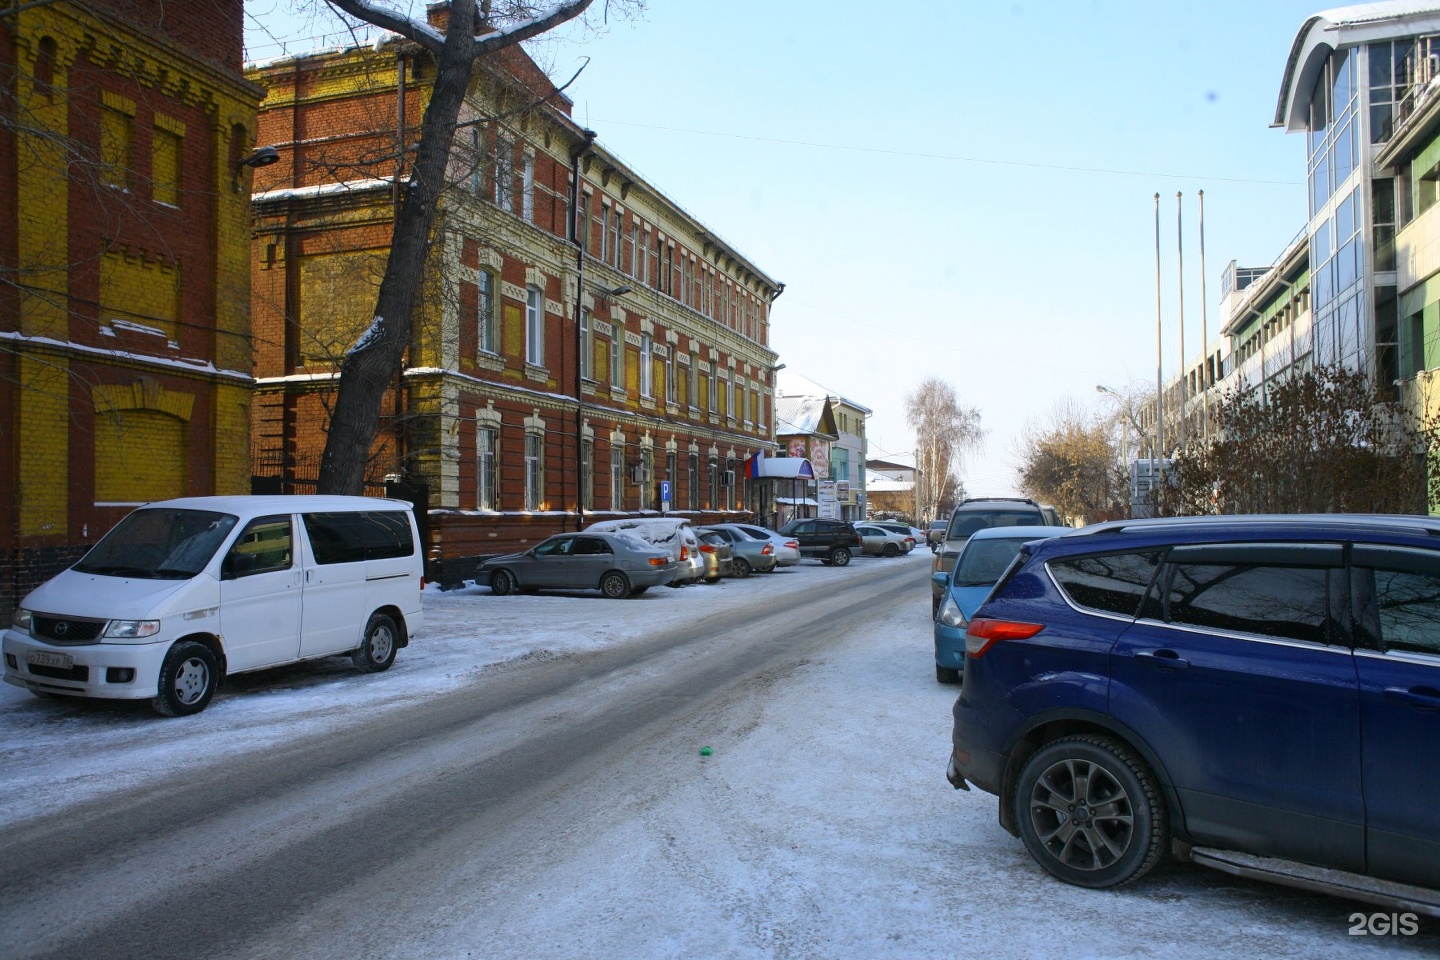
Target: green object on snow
(706, 751)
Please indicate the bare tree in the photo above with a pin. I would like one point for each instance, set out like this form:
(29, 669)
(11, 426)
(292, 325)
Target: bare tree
(1071, 463)
(475, 28)
(944, 432)
(1323, 441)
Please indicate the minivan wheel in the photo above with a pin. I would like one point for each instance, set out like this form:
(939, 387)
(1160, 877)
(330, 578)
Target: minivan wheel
(188, 679)
(381, 642)
(614, 585)
(502, 583)
(840, 557)
(1090, 812)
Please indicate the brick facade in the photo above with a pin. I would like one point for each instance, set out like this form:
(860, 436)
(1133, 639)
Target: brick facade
(485, 413)
(126, 356)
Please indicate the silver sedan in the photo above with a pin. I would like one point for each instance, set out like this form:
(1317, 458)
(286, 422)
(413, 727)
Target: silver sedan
(616, 564)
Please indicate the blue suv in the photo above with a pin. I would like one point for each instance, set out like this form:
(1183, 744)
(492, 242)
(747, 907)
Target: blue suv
(1255, 694)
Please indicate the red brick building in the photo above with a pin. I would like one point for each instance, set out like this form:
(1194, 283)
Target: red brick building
(125, 364)
(545, 386)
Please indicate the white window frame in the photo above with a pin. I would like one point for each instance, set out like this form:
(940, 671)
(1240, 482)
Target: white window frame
(647, 385)
(486, 283)
(487, 458)
(617, 357)
(617, 476)
(535, 326)
(534, 470)
(587, 343)
(505, 174)
(527, 187)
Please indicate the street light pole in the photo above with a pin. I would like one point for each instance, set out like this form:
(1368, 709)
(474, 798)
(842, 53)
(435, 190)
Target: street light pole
(576, 195)
(1124, 405)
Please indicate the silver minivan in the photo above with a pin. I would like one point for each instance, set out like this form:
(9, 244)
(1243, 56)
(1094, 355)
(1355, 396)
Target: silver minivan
(184, 592)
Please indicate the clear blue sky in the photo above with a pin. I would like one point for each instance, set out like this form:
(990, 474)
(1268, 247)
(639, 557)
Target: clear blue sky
(954, 188)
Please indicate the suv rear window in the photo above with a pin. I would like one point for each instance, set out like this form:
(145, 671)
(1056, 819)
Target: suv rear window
(1110, 584)
(966, 522)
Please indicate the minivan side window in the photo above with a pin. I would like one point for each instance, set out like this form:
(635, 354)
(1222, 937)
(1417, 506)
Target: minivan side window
(1110, 584)
(1395, 596)
(264, 547)
(361, 535)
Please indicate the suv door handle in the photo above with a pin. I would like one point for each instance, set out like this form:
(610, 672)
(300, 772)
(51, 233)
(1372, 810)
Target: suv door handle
(1162, 659)
(1422, 698)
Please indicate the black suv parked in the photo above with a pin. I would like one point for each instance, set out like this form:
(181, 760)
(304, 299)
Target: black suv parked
(978, 513)
(829, 541)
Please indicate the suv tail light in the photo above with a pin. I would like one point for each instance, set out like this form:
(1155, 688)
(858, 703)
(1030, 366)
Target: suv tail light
(985, 632)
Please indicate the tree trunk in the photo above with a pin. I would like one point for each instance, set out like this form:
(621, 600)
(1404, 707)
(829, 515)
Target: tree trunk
(370, 365)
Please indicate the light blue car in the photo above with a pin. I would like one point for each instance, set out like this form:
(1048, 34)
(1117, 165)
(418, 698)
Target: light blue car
(982, 561)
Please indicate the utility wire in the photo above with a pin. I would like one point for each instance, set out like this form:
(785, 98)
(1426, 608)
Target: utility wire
(948, 157)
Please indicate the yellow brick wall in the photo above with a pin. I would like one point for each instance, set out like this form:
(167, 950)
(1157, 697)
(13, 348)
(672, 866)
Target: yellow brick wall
(140, 291)
(43, 420)
(140, 455)
(338, 292)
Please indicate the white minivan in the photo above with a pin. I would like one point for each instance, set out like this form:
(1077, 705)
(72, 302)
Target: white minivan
(183, 592)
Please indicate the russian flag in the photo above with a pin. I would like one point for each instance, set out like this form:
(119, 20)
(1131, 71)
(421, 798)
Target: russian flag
(752, 464)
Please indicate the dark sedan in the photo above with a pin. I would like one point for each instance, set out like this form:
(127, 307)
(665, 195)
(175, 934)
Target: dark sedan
(616, 564)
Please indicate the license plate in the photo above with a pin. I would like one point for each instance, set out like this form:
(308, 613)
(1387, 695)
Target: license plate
(41, 659)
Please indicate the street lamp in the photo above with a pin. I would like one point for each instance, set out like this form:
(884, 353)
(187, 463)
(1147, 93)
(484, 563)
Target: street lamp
(1125, 431)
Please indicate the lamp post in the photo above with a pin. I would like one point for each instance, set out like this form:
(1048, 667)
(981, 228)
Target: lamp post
(1124, 405)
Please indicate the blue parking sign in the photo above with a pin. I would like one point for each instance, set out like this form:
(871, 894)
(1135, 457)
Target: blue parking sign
(664, 491)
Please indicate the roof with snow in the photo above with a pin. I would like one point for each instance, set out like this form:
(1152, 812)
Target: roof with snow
(1331, 30)
(807, 416)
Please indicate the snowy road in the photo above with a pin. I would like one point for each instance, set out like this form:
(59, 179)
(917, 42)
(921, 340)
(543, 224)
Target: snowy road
(527, 782)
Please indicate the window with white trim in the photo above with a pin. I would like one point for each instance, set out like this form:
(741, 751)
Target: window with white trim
(505, 174)
(587, 343)
(487, 441)
(617, 476)
(527, 187)
(534, 470)
(587, 475)
(485, 282)
(647, 485)
(617, 357)
(535, 326)
(646, 368)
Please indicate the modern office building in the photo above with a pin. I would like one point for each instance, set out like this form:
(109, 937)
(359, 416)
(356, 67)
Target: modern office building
(1360, 285)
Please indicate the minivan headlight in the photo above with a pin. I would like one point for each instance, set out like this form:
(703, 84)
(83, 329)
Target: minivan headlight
(950, 613)
(21, 620)
(132, 629)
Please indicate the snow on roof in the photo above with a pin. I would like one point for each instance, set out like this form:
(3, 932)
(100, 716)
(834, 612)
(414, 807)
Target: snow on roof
(1340, 27)
(799, 414)
(324, 189)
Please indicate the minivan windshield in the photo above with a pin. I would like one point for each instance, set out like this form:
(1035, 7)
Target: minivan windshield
(159, 544)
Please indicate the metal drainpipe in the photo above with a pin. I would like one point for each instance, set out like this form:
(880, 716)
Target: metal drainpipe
(399, 414)
(575, 197)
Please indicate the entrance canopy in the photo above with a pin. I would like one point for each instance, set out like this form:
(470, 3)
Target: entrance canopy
(778, 468)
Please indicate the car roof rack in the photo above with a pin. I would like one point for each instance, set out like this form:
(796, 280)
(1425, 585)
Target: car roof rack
(1395, 521)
